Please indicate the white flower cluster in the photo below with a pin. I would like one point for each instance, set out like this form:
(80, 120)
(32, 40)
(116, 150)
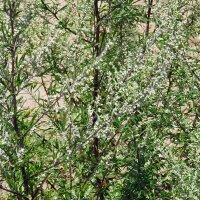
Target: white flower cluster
(20, 155)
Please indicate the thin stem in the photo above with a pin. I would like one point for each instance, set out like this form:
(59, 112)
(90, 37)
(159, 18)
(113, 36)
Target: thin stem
(18, 195)
(13, 49)
(46, 7)
(150, 3)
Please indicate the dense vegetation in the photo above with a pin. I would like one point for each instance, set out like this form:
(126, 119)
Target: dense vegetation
(99, 99)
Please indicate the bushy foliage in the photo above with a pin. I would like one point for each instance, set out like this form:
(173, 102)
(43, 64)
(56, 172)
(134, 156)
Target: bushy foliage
(99, 99)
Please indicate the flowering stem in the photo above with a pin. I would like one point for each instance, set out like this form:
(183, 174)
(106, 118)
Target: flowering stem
(97, 52)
